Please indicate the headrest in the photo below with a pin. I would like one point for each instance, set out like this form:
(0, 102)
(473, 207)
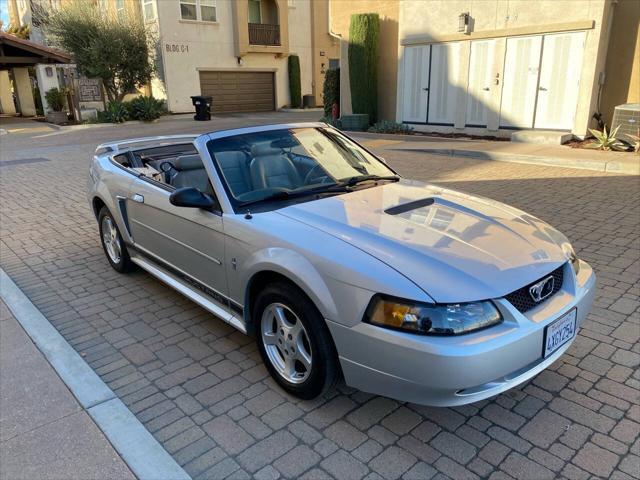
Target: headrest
(188, 162)
(262, 149)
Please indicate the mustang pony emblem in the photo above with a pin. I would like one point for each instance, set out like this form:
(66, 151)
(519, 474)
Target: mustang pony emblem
(542, 289)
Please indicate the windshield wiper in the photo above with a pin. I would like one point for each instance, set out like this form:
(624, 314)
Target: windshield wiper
(279, 195)
(353, 181)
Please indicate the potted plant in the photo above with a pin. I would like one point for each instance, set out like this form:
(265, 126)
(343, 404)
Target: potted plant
(56, 99)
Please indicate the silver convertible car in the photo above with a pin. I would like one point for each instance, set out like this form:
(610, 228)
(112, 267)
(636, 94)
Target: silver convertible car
(338, 266)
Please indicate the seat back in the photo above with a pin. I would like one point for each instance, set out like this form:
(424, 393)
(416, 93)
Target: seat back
(235, 168)
(191, 173)
(271, 168)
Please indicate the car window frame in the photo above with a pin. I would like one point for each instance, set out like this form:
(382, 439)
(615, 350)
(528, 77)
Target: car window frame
(169, 189)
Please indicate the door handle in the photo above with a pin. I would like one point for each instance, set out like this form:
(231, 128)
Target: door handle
(136, 197)
(426, 89)
(486, 89)
(542, 89)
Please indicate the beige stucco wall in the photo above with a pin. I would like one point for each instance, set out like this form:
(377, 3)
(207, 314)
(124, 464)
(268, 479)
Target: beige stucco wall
(211, 46)
(622, 68)
(437, 21)
(341, 11)
(325, 46)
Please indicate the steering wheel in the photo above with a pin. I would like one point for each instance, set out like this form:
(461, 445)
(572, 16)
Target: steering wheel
(317, 174)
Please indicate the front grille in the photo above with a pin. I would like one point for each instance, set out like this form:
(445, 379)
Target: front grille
(521, 298)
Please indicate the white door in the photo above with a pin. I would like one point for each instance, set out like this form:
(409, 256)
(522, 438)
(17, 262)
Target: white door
(444, 83)
(416, 83)
(480, 82)
(559, 80)
(520, 81)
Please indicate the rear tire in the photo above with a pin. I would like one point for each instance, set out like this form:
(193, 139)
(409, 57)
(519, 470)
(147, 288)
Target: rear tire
(294, 341)
(114, 248)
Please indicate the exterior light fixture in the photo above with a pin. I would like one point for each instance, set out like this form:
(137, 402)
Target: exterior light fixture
(463, 22)
(49, 71)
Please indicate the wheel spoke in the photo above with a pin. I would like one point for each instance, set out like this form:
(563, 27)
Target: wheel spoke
(280, 316)
(296, 331)
(270, 338)
(289, 366)
(303, 356)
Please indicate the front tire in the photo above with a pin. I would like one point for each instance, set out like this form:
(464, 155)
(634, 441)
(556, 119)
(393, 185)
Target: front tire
(112, 243)
(294, 341)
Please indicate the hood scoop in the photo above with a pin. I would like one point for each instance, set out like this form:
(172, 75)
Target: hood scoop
(407, 207)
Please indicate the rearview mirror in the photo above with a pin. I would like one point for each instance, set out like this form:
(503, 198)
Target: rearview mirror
(191, 197)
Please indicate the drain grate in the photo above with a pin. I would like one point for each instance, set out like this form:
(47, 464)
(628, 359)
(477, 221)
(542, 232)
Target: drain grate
(23, 161)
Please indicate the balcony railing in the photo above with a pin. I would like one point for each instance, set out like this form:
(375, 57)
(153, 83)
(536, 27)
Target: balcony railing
(264, 34)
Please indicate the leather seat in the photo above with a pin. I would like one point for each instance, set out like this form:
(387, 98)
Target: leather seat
(234, 166)
(191, 173)
(270, 168)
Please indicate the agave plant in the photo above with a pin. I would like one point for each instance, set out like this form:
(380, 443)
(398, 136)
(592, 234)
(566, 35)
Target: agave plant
(606, 140)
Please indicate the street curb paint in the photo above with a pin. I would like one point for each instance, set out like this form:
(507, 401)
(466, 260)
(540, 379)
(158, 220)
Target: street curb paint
(146, 458)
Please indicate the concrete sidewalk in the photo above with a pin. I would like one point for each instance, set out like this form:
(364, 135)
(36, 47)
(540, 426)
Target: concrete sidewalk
(505, 151)
(44, 432)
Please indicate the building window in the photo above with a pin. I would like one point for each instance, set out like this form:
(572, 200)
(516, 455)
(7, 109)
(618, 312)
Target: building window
(254, 11)
(148, 11)
(203, 10)
(208, 10)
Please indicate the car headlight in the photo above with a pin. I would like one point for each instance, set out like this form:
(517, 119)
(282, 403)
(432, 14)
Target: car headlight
(431, 319)
(570, 253)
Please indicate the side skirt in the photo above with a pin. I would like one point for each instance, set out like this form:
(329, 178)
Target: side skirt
(188, 290)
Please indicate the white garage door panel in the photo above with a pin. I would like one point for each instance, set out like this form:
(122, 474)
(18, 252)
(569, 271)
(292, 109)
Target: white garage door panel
(416, 83)
(444, 84)
(559, 80)
(520, 81)
(480, 81)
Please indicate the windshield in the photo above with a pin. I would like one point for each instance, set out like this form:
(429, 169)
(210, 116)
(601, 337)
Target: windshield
(287, 163)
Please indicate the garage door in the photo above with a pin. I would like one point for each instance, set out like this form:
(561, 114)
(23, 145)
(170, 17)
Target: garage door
(239, 91)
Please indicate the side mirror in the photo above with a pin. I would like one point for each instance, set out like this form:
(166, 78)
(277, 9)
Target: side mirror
(383, 160)
(191, 197)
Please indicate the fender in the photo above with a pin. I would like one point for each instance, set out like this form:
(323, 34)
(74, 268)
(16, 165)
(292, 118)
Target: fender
(296, 268)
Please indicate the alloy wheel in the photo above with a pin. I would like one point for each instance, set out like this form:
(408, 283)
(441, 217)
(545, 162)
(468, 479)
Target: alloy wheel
(286, 343)
(111, 239)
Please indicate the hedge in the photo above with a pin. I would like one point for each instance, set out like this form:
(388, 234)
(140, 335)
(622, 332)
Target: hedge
(295, 90)
(364, 34)
(331, 91)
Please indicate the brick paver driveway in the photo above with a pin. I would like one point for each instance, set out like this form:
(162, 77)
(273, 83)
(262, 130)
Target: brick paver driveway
(201, 389)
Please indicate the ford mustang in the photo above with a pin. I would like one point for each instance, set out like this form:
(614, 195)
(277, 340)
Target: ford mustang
(338, 266)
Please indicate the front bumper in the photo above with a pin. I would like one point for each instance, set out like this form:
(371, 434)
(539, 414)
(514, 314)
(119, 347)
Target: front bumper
(449, 371)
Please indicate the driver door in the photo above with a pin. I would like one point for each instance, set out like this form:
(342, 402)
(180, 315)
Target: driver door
(189, 242)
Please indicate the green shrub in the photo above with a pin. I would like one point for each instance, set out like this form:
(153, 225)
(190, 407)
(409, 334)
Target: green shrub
(116, 112)
(145, 108)
(386, 126)
(331, 91)
(56, 99)
(295, 89)
(364, 33)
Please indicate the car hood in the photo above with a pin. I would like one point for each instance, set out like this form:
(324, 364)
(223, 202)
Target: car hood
(456, 247)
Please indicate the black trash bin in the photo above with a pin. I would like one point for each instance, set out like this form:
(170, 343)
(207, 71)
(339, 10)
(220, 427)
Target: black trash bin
(203, 107)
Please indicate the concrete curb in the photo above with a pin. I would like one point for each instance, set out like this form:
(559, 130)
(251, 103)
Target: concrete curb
(146, 458)
(603, 166)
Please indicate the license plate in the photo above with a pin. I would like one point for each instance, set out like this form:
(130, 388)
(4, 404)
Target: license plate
(559, 332)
